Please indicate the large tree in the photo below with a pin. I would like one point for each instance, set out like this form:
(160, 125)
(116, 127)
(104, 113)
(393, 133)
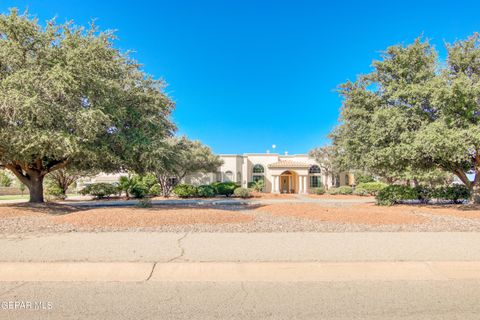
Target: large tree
(413, 114)
(173, 159)
(69, 97)
(329, 162)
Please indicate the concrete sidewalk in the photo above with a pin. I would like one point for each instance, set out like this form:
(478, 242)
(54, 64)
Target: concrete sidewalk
(240, 247)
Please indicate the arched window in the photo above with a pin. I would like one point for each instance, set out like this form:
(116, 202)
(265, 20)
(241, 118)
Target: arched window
(229, 176)
(258, 173)
(314, 169)
(315, 177)
(258, 168)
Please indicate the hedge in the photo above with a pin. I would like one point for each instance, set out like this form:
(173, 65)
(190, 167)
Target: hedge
(225, 188)
(372, 187)
(242, 192)
(100, 190)
(185, 190)
(396, 193)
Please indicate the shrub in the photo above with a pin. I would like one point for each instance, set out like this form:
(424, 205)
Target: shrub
(225, 188)
(242, 192)
(396, 193)
(455, 193)
(363, 177)
(99, 190)
(185, 190)
(138, 186)
(206, 191)
(318, 190)
(333, 191)
(372, 187)
(155, 190)
(345, 190)
(5, 180)
(52, 190)
(257, 186)
(139, 190)
(361, 192)
(424, 194)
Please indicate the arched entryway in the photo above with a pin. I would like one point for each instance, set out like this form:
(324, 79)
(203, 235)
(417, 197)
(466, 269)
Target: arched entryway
(288, 182)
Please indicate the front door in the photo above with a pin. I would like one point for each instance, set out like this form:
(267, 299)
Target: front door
(285, 184)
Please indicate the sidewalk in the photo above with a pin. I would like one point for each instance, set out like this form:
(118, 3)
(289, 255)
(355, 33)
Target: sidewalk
(240, 247)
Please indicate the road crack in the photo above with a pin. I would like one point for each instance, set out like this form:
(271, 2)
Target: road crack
(180, 247)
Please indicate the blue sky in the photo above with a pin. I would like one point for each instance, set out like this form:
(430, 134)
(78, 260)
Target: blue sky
(248, 74)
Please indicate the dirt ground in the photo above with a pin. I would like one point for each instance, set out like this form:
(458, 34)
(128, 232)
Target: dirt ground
(288, 216)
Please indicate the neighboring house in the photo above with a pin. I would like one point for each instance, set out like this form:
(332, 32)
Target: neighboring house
(281, 173)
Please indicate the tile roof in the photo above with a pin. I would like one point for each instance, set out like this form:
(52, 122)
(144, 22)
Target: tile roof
(289, 164)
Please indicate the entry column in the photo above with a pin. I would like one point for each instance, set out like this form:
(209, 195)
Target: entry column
(275, 184)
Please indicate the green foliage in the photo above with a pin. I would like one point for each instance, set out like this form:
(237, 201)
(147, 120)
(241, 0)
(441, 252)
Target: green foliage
(242, 193)
(52, 189)
(361, 192)
(257, 186)
(319, 190)
(396, 193)
(69, 97)
(5, 180)
(413, 117)
(206, 191)
(138, 186)
(225, 188)
(185, 191)
(455, 193)
(99, 190)
(176, 158)
(363, 177)
(155, 190)
(333, 191)
(372, 187)
(345, 190)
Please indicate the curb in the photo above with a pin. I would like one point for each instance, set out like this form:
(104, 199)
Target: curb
(240, 272)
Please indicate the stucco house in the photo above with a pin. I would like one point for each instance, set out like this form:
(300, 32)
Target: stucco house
(296, 173)
(281, 173)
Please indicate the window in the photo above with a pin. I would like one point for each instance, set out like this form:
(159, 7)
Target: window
(347, 180)
(239, 177)
(258, 173)
(315, 182)
(218, 177)
(258, 168)
(229, 176)
(315, 177)
(172, 181)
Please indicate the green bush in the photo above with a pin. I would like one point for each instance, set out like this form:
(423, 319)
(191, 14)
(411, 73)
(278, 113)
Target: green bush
(345, 190)
(257, 186)
(396, 193)
(242, 192)
(5, 180)
(155, 190)
(206, 191)
(372, 187)
(333, 191)
(363, 177)
(139, 186)
(318, 190)
(185, 191)
(99, 190)
(53, 190)
(139, 190)
(225, 188)
(361, 192)
(455, 193)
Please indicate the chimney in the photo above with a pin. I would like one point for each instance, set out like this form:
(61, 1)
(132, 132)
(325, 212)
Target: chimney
(286, 153)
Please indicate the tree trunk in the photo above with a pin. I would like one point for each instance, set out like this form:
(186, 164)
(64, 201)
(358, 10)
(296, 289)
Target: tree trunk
(35, 186)
(475, 194)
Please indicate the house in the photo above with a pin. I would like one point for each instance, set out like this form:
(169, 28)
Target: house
(281, 173)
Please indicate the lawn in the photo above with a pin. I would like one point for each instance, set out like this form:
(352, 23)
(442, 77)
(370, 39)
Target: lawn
(14, 197)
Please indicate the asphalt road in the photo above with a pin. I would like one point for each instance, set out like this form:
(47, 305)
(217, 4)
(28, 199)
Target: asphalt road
(245, 300)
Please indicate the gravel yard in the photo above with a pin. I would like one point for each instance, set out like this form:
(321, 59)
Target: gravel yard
(287, 216)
